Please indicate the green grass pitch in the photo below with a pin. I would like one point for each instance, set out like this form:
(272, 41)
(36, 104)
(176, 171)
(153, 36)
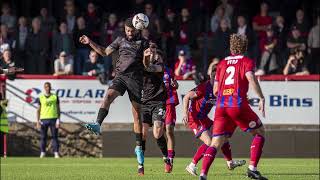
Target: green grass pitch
(125, 168)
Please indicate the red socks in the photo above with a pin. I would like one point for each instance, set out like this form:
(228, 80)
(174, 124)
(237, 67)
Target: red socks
(256, 149)
(208, 158)
(226, 150)
(171, 153)
(199, 154)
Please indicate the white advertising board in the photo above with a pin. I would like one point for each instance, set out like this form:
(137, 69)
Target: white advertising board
(287, 102)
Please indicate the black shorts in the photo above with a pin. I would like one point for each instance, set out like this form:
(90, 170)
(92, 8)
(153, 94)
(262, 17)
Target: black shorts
(131, 82)
(153, 111)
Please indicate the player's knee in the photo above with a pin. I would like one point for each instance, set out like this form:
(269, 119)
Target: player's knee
(169, 131)
(217, 141)
(207, 142)
(260, 131)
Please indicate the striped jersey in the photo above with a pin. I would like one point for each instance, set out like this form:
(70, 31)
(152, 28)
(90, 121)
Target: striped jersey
(172, 96)
(232, 82)
(203, 103)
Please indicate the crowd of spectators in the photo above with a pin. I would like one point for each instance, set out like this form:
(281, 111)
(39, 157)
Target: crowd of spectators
(194, 38)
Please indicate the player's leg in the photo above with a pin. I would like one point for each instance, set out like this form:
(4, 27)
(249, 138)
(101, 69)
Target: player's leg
(43, 137)
(170, 120)
(205, 137)
(137, 128)
(226, 147)
(248, 121)
(218, 138)
(171, 141)
(111, 95)
(55, 141)
(145, 128)
(256, 152)
(210, 154)
(227, 154)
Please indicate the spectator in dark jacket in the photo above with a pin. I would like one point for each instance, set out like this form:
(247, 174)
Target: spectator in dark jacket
(82, 52)
(48, 23)
(37, 50)
(93, 21)
(7, 17)
(221, 40)
(70, 16)
(21, 37)
(185, 35)
(296, 41)
(301, 23)
(245, 30)
(170, 31)
(106, 38)
(92, 66)
(62, 41)
(281, 32)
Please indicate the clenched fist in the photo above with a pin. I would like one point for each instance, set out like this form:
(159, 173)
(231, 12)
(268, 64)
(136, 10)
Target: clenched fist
(84, 39)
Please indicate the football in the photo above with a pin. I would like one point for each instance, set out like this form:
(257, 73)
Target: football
(140, 21)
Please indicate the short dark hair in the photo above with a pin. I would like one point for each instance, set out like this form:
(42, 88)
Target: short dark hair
(128, 23)
(47, 83)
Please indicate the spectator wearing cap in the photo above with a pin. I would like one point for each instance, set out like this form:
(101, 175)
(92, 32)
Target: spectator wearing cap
(7, 18)
(296, 41)
(221, 40)
(314, 48)
(296, 65)
(63, 65)
(92, 66)
(268, 63)
(82, 51)
(62, 41)
(185, 36)
(170, 31)
(301, 23)
(184, 67)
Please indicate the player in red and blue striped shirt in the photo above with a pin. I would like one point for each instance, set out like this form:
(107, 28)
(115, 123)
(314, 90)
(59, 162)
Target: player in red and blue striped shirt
(170, 116)
(234, 74)
(196, 117)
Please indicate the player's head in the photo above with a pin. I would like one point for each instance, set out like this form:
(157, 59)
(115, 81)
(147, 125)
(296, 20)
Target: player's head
(238, 44)
(47, 87)
(129, 29)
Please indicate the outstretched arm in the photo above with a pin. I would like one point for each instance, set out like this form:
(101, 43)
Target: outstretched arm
(99, 49)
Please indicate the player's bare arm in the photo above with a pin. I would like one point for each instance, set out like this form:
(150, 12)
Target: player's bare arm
(257, 89)
(99, 49)
(189, 96)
